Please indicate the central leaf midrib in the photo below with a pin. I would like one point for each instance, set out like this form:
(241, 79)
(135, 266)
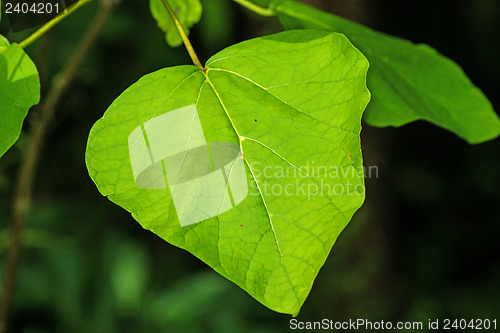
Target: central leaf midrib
(293, 108)
(240, 140)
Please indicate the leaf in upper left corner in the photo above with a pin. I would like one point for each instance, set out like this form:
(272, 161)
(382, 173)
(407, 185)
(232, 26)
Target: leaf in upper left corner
(188, 13)
(19, 91)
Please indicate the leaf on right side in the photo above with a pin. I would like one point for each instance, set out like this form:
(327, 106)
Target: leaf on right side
(188, 13)
(19, 90)
(408, 81)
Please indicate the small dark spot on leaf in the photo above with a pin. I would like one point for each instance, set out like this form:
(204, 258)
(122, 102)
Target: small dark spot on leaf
(260, 226)
(255, 120)
(241, 225)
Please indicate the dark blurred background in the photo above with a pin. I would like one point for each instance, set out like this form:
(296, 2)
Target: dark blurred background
(424, 245)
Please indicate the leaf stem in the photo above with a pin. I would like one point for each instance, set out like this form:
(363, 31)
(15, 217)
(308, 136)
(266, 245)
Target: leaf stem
(47, 26)
(31, 155)
(184, 37)
(255, 8)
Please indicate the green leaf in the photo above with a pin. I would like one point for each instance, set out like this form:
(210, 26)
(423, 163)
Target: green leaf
(292, 102)
(188, 13)
(408, 81)
(19, 90)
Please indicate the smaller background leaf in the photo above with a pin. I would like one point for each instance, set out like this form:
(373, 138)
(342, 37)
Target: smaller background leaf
(19, 90)
(408, 81)
(187, 11)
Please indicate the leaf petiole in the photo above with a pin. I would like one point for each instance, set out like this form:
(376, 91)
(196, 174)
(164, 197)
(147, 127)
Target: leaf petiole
(255, 8)
(47, 26)
(184, 37)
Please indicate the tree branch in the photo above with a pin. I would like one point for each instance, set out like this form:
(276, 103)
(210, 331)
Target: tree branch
(27, 169)
(47, 26)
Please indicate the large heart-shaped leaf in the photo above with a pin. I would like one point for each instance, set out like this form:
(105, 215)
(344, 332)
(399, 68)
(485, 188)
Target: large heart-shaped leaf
(291, 104)
(408, 81)
(19, 90)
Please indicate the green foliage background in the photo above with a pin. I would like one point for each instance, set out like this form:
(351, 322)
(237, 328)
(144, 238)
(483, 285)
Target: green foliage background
(423, 246)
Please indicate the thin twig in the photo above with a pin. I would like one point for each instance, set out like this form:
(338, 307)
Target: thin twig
(49, 25)
(24, 184)
(256, 9)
